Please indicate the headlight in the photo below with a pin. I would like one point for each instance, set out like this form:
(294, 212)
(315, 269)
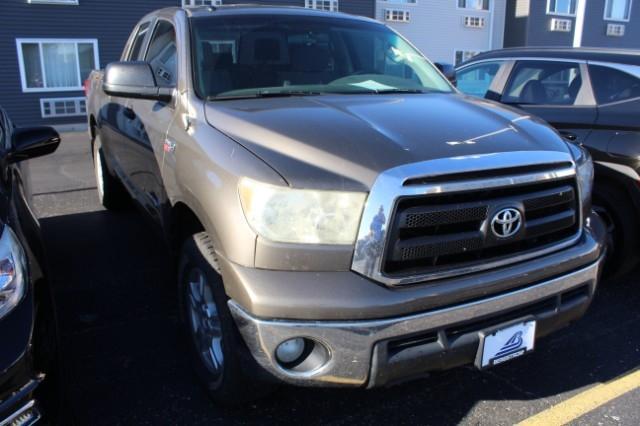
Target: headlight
(584, 172)
(12, 271)
(301, 216)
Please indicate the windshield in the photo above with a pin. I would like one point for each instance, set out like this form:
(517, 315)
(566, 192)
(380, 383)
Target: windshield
(271, 55)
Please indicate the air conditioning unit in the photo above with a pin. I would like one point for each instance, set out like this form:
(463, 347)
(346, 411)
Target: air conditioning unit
(473, 22)
(396, 15)
(562, 25)
(615, 30)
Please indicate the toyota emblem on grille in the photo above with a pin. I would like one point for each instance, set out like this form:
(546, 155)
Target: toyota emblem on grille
(506, 223)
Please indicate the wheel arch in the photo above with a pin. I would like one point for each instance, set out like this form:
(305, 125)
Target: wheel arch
(608, 176)
(184, 221)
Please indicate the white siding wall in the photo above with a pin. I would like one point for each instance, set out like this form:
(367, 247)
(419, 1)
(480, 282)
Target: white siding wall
(436, 27)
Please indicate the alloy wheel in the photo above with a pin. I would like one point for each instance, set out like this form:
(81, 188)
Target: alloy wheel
(204, 320)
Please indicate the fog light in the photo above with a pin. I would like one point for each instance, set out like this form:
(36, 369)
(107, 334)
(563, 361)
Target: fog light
(290, 350)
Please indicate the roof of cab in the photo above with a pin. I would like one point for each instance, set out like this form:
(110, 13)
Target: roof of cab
(622, 56)
(250, 9)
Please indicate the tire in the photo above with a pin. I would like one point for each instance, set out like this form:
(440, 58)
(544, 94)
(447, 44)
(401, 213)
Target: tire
(221, 359)
(111, 192)
(617, 211)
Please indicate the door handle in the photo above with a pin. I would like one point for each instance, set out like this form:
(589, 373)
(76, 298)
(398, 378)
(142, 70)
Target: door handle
(569, 136)
(129, 113)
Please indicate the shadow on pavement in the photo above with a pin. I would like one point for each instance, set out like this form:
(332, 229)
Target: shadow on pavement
(127, 362)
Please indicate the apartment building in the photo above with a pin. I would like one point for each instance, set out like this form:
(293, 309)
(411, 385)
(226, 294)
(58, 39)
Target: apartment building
(589, 23)
(448, 31)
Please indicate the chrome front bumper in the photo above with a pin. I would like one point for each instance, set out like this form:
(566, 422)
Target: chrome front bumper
(357, 350)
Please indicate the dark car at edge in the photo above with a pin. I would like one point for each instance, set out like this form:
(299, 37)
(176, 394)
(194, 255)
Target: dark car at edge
(28, 334)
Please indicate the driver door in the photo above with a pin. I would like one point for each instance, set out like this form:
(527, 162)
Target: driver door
(154, 118)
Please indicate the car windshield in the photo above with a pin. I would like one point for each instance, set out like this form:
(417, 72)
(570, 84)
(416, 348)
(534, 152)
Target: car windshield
(290, 55)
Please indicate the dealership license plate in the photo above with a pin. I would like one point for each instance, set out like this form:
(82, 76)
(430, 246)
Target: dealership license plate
(505, 344)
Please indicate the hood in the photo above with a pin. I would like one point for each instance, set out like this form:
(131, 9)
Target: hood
(346, 141)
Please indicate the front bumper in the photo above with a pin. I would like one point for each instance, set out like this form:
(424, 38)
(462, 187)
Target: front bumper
(377, 352)
(21, 408)
(18, 381)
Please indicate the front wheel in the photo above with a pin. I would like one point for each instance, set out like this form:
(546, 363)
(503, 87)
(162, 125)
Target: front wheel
(221, 359)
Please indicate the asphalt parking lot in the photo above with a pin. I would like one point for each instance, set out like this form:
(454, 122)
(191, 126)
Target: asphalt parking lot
(126, 360)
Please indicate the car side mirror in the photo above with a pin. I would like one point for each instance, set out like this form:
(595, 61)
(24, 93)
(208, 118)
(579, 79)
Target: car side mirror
(134, 79)
(448, 71)
(31, 142)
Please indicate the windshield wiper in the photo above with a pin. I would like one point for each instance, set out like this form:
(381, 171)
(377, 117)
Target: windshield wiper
(395, 90)
(263, 94)
(380, 91)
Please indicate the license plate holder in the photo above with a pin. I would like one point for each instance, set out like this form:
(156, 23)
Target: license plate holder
(505, 342)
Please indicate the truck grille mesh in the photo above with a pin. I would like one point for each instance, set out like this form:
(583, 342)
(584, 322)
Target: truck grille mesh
(445, 217)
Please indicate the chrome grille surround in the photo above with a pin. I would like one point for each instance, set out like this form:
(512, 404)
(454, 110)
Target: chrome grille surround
(373, 234)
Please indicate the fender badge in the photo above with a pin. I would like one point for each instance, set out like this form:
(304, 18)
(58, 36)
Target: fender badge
(169, 146)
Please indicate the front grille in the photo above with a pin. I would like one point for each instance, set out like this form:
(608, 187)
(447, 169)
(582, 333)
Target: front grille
(433, 233)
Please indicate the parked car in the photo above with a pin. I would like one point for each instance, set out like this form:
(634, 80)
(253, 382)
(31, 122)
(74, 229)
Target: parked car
(339, 214)
(29, 385)
(592, 97)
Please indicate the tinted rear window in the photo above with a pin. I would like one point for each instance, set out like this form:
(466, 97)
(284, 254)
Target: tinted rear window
(612, 85)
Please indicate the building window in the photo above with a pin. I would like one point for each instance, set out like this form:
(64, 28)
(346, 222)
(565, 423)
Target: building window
(561, 25)
(328, 5)
(55, 65)
(473, 4)
(615, 30)
(464, 55)
(396, 15)
(617, 10)
(187, 3)
(63, 107)
(401, 1)
(72, 2)
(473, 22)
(561, 7)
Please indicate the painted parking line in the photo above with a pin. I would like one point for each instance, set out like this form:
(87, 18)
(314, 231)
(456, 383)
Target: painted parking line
(585, 402)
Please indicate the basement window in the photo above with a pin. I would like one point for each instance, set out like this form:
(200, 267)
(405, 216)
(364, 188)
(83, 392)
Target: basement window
(63, 107)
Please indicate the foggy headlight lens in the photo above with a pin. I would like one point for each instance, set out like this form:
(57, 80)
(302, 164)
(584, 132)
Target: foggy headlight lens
(12, 271)
(301, 216)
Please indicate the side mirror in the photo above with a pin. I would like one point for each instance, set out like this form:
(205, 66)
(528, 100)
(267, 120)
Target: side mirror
(31, 142)
(449, 71)
(134, 80)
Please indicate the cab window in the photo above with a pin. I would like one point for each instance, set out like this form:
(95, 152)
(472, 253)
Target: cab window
(136, 46)
(612, 85)
(476, 79)
(544, 83)
(162, 54)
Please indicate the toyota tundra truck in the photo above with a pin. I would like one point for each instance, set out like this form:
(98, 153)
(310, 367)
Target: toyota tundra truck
(339, 214)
